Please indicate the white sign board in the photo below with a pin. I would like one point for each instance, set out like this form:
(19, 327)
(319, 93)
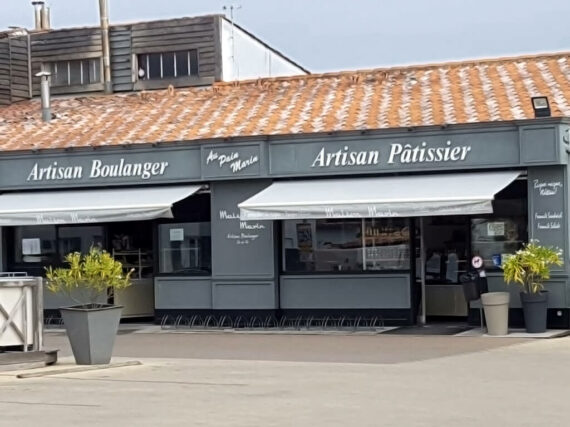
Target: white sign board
(31, 246)
(495, 229)
(176, 234)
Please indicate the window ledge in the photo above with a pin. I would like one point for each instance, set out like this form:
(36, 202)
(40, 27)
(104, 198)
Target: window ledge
(174, 81)
(61, 90)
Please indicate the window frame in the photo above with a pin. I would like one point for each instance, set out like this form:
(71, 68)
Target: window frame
(284, 272)
(84, 72)
(144, 57)
(158, 250)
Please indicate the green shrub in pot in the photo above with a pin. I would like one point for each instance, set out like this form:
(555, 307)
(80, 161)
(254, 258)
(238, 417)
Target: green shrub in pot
(91, 325)
(529, 268)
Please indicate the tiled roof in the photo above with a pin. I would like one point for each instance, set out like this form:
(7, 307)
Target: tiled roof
(451, 93)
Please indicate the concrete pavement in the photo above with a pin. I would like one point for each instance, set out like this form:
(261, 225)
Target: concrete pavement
(516, 383)
(302, 348)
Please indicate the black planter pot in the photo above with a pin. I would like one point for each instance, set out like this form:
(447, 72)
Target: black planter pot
(534, 310)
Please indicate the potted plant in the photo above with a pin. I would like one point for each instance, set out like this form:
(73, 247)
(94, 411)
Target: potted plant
(91, 325)
(529, 268)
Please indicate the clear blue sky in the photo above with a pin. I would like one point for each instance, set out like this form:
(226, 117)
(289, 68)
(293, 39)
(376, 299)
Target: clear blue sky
(328, 35)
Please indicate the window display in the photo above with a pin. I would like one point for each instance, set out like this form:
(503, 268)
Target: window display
(333, 245)
(185, 248)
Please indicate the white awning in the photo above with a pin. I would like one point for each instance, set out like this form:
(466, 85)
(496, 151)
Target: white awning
(394, 196)
(88, 206)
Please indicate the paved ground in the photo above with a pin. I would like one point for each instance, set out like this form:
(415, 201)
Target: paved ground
(304, 381)
(294, 348)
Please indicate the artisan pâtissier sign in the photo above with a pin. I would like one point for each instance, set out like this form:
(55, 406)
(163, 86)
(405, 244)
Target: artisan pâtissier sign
(53, 171)
(398, 154)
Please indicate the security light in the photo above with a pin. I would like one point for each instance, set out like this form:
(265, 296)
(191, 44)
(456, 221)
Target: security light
(540, 106)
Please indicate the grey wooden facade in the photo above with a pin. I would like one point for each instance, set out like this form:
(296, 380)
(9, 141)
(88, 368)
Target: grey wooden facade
(22, 56)
(15, 71)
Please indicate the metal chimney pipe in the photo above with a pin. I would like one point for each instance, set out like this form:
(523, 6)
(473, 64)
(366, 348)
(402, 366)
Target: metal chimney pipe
(38, 14)
(45, 18)
(104, 16)
(45, 95)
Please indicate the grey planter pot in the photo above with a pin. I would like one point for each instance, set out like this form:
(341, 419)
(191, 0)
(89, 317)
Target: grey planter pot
(535, 309)
(496, 306)
(92, 332)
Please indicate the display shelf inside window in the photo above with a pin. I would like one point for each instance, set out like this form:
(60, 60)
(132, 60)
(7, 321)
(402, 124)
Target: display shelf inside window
(139, 259)
(386, 248)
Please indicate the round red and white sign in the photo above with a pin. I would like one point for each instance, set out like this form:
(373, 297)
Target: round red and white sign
(477, 261)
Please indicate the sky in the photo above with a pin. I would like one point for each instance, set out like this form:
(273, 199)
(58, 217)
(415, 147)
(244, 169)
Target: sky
(329, 35)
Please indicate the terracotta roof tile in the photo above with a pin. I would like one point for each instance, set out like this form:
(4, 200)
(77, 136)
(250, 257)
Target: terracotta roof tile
(451, 93)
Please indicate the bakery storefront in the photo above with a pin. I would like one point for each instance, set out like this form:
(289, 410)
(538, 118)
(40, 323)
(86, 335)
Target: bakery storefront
(378, 223)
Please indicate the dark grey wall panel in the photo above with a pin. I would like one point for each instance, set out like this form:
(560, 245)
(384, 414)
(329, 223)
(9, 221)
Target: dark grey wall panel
(240, 249)
(346, 291)
(183, 293)
(539, 145)
(556, 286)
(237, 295)
(121, 58)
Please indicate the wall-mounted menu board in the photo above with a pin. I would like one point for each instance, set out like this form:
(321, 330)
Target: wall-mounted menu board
(547, 207)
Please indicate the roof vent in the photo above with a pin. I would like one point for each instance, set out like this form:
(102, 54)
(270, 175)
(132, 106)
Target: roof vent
(45, 95)
(41, 15)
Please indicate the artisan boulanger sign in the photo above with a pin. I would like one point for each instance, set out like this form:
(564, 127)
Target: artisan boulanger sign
(53, 171)
(398, 154)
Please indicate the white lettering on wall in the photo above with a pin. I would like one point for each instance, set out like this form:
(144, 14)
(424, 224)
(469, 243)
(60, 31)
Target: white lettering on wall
(233, 160)
(98, 169)
(244, 237)
(423, 154)
(398, 154)
(547, 188)
(344, 157)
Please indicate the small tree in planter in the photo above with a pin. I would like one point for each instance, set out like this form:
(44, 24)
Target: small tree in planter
(91, 325)
(529, 268)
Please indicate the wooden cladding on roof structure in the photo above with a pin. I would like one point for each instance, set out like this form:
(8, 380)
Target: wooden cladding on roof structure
(5, 92)
(14, 68)
(21, 57)
(177, 35)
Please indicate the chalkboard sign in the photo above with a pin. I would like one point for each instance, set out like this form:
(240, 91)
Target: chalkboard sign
(547, 187)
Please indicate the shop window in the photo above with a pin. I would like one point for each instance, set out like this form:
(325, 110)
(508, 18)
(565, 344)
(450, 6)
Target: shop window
(387, 244)
(164, 65)
(34, 247)
(79, 239)
(351, 245)
(493, 238)
(185, 248)
(75, 73)
(503, 232)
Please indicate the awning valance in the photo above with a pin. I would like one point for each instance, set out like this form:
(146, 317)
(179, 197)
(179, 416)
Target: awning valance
(89, 206)
(394, 196)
